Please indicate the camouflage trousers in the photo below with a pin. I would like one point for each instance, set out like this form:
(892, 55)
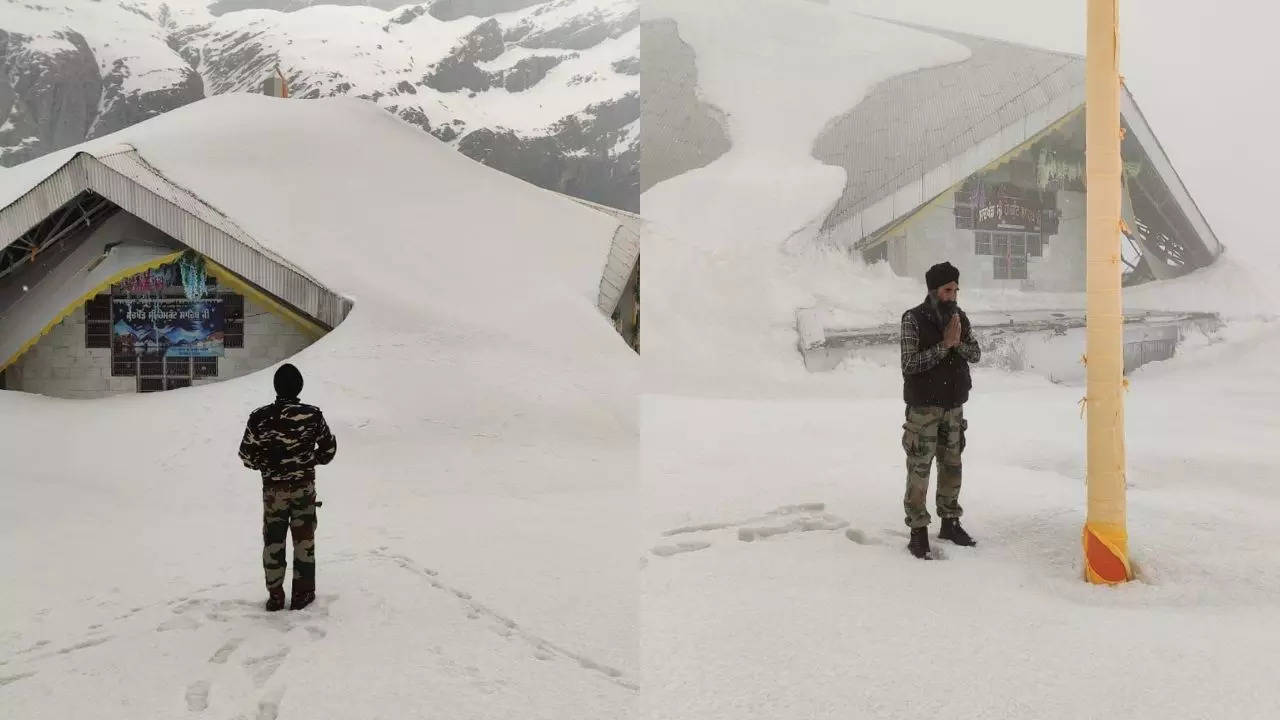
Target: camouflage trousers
(931, 432)
(285, 511)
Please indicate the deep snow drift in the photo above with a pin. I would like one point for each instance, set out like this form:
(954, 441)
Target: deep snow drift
(777, 583)
(731, 251)
(823, 614)
(474, 552)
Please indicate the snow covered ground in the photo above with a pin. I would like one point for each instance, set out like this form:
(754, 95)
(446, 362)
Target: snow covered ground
(813, 624)
(777, 583)
(476, 548)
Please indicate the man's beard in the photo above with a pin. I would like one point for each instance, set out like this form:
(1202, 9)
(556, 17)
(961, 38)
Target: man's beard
(946, 308)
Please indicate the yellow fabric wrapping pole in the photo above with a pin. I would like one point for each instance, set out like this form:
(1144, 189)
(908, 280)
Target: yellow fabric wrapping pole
(1105, 535)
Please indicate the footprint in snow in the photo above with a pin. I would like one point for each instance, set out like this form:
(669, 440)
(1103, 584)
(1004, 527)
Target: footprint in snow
(7, 679)
(269, 705)
(181, 622)
(198, 696)
(262, 668)
(680, 547)
(221, 654)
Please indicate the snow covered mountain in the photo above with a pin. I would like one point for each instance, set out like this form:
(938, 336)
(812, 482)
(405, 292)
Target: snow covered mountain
(546, 91)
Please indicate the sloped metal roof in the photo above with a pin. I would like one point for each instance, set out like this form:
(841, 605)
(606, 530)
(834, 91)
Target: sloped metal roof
(70, 283)
(122, 176)
(917, 135)
(624, 255)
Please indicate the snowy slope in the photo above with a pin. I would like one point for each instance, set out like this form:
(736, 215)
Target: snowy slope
(376, 51)
(777, 583)
(122, 37)
(474, 552)
(808, 622)
(79, 69)
(720, 285)
(541, 90)
(731, 245)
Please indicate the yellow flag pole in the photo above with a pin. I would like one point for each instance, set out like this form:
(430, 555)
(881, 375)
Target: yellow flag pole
(1105, 536)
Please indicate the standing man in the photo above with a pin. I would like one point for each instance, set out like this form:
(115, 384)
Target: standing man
(285, 441)
(937, 348)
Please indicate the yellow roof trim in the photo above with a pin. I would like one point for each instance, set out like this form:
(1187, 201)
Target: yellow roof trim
(104, 285)
(226, 277)
(902, 223)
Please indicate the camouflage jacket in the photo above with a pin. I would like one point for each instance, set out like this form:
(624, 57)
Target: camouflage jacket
(285, 441)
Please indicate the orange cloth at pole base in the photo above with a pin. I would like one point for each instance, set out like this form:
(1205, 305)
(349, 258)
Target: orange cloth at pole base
(1104, 556)
(1105, 539)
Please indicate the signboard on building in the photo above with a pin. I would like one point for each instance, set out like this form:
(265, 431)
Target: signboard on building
(173, 327)
(1005, 206)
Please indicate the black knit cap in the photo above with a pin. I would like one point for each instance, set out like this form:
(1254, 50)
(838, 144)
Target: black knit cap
(288, 381)
(941, 274)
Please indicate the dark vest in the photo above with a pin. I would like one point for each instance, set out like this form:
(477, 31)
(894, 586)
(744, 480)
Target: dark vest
(947, 384)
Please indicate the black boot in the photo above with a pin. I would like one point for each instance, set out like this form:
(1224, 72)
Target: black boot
(919, 545)
(303, 593)
(952, 531)
(275, 599)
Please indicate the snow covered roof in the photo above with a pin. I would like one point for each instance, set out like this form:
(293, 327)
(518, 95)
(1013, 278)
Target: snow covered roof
(287, 193)
(624, 255)
(119, 174)
(72, 281)
(918, 134)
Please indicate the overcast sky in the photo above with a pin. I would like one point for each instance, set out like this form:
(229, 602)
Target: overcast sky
(1198, 70)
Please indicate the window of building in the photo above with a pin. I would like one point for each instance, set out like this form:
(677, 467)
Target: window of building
(1000, 244)
(157, 372)
(1009, 252)
(233, 319)
(97, 322)
(1018, 245)
(124, 364)
(1009, 267)
(982, 243)
(963, 210)
(204, 367)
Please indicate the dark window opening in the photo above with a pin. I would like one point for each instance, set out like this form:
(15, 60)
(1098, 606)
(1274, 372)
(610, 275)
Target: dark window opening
(97, 322)
(1010, 267)
(123, 365)
(982, 243)
(233, 319)
(963, 210)
(204, 367)
(154, 371)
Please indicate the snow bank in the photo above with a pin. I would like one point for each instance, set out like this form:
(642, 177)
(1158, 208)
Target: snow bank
(824, 614)
(732, 246)
(485, 417)
(777, 582)
(722, 294)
